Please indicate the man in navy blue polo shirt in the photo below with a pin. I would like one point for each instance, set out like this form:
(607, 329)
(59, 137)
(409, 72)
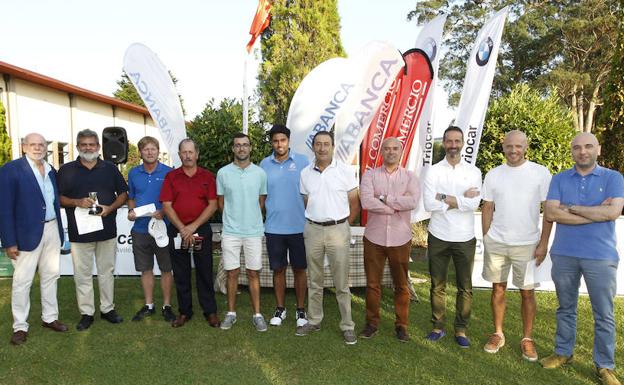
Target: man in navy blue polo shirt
(285, 220)
(585, 201)
(144, 184)
(76, 180)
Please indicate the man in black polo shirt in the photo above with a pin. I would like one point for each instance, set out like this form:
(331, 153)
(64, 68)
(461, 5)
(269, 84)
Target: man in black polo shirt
(76, 179)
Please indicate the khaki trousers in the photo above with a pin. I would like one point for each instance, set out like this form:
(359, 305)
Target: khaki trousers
(46, 257)
(333, 241)
(82, 256)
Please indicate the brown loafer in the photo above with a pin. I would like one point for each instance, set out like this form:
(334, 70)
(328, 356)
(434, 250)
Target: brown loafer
(213, 320)
(180, 321)
(55, 325)
(19, 337)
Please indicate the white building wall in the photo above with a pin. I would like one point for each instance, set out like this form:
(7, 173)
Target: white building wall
(40, 109)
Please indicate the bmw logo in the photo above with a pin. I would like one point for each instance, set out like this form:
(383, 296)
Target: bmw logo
(485, 50)
(430, 48)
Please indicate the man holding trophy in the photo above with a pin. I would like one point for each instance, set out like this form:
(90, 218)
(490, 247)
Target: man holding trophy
(91, 191)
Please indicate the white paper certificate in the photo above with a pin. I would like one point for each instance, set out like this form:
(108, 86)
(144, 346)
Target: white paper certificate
(145, 210)
(87, 223)
(536, 274)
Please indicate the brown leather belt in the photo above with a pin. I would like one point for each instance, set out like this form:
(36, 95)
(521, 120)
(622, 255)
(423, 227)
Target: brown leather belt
(329, 223)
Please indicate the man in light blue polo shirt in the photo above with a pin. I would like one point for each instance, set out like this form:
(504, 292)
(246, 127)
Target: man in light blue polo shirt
(585, 201)
(144, 184)
(285, 220)
(241, 192)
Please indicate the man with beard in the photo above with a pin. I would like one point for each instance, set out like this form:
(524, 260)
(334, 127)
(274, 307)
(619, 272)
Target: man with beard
(76, 180)
(144, 184)
(242, 189)
(31, 233)
(451, 193)
(512, 195)
(389, 193)
(285, 219)
(585, 201)
(189, 200)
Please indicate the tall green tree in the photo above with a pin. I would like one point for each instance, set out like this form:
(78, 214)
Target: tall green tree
(612, 117)
(563, 43)
(5, 140)
(302, 34)
(125, 91)
(547, 124)
(214, 128)
(134, 159)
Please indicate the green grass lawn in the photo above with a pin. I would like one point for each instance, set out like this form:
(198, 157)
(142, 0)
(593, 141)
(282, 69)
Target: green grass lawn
(152, 352)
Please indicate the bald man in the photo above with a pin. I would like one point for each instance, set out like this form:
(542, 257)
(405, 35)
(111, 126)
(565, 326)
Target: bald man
(389, 193)
(31, 233)
(512, 196)
(585, 201)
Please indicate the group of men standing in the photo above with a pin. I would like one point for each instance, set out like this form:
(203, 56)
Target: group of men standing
(309, 208)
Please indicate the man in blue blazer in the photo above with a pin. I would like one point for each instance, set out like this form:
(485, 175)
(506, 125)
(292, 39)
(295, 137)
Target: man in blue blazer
(32, 233)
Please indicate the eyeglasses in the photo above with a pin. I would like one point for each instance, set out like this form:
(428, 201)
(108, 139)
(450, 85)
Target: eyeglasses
(243, 145)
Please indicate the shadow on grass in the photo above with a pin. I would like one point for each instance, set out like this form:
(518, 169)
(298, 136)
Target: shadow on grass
(151, 352)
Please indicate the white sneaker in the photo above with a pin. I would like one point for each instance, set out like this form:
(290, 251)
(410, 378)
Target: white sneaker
(302, 318)
(278, 317)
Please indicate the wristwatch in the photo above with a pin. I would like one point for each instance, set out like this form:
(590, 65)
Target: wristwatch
(442, 197)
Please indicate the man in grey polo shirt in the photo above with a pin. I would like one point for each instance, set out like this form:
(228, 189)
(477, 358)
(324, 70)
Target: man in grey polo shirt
(330, 193)
(241, 192)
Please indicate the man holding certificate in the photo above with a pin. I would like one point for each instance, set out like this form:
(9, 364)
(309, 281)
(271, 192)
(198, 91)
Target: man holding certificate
(145, 209)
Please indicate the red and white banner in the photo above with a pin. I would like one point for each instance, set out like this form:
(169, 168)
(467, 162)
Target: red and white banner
(398, 115)
(475, 96)
(417, 79)
(421, 154)
(373, 69)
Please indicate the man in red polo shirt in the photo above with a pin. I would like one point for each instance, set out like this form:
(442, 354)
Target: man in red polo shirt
(189, 198)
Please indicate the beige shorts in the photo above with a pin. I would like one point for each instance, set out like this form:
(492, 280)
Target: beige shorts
(498, 258)
(231, 252)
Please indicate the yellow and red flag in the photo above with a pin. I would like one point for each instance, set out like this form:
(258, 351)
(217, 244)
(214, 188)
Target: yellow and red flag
(260, 22)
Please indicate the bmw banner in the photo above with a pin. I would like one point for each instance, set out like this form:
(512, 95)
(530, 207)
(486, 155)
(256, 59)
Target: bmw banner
(478, 84)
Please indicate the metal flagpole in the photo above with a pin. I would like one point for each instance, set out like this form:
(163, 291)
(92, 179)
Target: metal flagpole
(245, 98)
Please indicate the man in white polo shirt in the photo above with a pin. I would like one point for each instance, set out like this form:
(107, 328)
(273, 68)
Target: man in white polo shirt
(512, 195)
(330, 192)
(451, 193)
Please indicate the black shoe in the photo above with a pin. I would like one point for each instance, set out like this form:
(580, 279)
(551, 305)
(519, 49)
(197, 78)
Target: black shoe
(85, 322)
(168, 314)
(112, 317)
(142, 313)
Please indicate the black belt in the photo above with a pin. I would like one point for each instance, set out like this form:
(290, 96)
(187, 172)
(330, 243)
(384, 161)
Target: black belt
(329, 223)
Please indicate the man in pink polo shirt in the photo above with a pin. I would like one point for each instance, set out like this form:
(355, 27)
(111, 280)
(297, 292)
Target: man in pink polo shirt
(389, 193)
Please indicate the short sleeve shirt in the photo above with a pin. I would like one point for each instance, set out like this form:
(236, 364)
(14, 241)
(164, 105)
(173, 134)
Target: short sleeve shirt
(241, 189)
(592, 240)
(189, 195)
(517, 193)
(327, 191)
(75, 181)
(144, 188)
(285, 213)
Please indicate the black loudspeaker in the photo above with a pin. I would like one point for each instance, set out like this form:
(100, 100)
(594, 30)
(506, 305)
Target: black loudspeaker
(115, 144)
